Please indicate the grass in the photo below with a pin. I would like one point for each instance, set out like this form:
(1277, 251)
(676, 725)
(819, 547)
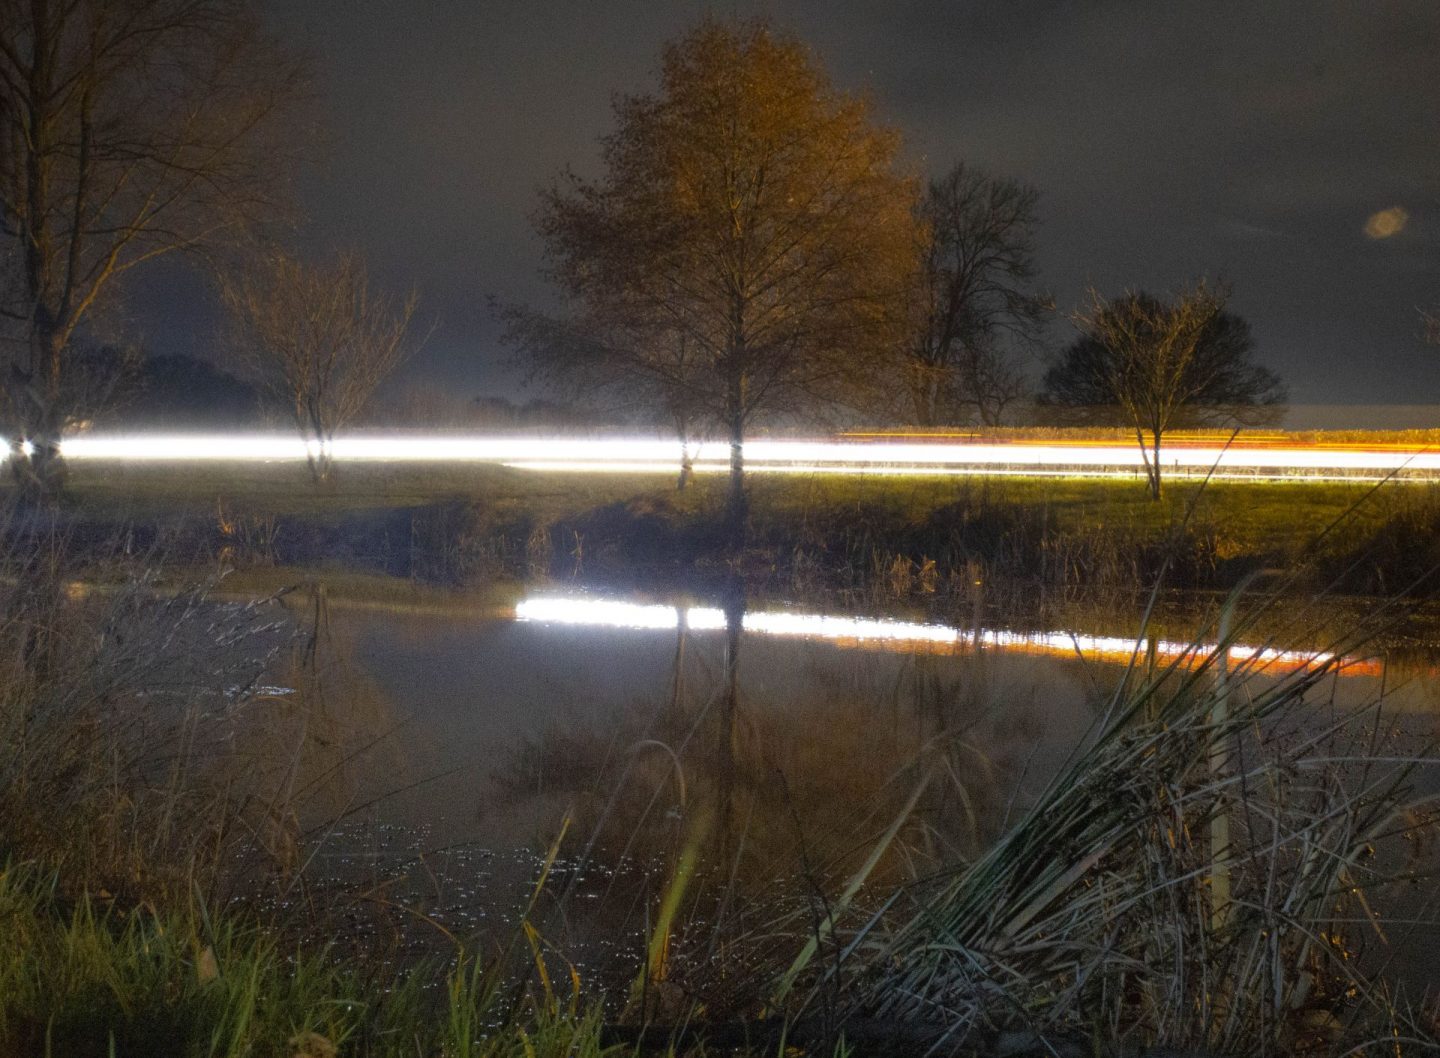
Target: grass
(1259, 516)
(1264, 512)
(462, 525)
(1199, 875)
(82, 978)
(143, 491)
(87, 979)
(1215, 435)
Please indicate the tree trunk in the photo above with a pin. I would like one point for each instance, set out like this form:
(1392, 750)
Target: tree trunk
(42, 475)
(1155, 466)
(737, 508)
(925, 392)
(37, 464)
(687, 461)
(39, 469)
(1150, 457)
(729, 708)
(317, 438)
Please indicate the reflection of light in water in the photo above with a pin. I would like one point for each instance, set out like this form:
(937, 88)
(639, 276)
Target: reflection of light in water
(599, 612)
(642, 455)
(866, 631)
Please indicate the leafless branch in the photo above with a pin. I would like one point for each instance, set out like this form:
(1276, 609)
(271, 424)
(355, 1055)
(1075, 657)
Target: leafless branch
(318, 340)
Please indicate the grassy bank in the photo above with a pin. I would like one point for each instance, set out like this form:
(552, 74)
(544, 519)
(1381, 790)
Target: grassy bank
(1202, 877)
(87, 978)
(1202, 872)
(910, 535)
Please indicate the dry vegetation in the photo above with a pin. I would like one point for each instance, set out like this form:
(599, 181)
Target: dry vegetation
(1212, 870)
(467, 526)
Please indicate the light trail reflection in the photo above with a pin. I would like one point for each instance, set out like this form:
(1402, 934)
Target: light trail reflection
(878, 633)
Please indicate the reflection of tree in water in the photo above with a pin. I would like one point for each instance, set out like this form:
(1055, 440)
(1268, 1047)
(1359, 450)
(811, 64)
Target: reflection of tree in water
(779, 798)
(319, 737)
(726, 749)
(808, 768)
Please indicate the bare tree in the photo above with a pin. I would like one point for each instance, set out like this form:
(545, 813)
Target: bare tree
(751, 209)
(972, 302)
(129, 130)
(1153, 365)
(653, 375)
(319, 341)
(1431, 323)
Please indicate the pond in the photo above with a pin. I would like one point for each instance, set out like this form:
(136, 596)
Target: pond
(632, 717)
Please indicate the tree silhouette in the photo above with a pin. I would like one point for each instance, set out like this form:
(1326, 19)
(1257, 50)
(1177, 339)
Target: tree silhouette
(318, 341)
(972, 301)
(131, 130)
(1153, 366)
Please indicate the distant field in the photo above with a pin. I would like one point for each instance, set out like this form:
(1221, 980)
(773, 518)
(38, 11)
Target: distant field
(1407, 437)
(469, 523)
(1261, 514)
(144, 489)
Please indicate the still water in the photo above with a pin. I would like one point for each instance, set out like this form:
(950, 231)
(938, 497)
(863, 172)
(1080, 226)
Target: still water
(604, 709)
(467, 691)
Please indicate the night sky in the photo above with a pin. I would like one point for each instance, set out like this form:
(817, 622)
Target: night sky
(1293, 148)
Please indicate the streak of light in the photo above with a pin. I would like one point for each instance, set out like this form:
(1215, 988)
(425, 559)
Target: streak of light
(645, 456)
(883, 633)
(954, 471)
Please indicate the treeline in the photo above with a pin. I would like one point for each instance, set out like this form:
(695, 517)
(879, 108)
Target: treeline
(139, 131)
(756, 248)
(132, 391)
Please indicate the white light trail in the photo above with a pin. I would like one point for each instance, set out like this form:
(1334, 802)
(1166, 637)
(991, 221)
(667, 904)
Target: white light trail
(656, 456)
(608, 613)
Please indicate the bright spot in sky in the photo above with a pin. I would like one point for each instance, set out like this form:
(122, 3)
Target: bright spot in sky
(1386, 223)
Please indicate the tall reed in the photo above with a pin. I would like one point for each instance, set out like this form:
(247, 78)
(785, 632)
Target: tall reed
(1109, 914)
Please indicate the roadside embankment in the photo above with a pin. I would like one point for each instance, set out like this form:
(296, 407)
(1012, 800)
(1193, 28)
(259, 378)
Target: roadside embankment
(900, 536)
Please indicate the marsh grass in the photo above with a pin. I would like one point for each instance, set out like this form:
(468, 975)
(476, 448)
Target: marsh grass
(157, 741)
(1201, 875)
(81, 979)
(1217, 867)
(170, 764)
(817, 781)
(111, 734)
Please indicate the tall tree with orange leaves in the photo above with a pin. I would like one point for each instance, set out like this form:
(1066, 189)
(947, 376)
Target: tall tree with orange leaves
(748, 214)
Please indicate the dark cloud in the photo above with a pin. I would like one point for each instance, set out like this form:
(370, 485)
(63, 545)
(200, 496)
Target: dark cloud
(1168, 139)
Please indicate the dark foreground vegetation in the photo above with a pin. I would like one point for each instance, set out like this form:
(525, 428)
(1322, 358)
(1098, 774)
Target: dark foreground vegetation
(1216, 868)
